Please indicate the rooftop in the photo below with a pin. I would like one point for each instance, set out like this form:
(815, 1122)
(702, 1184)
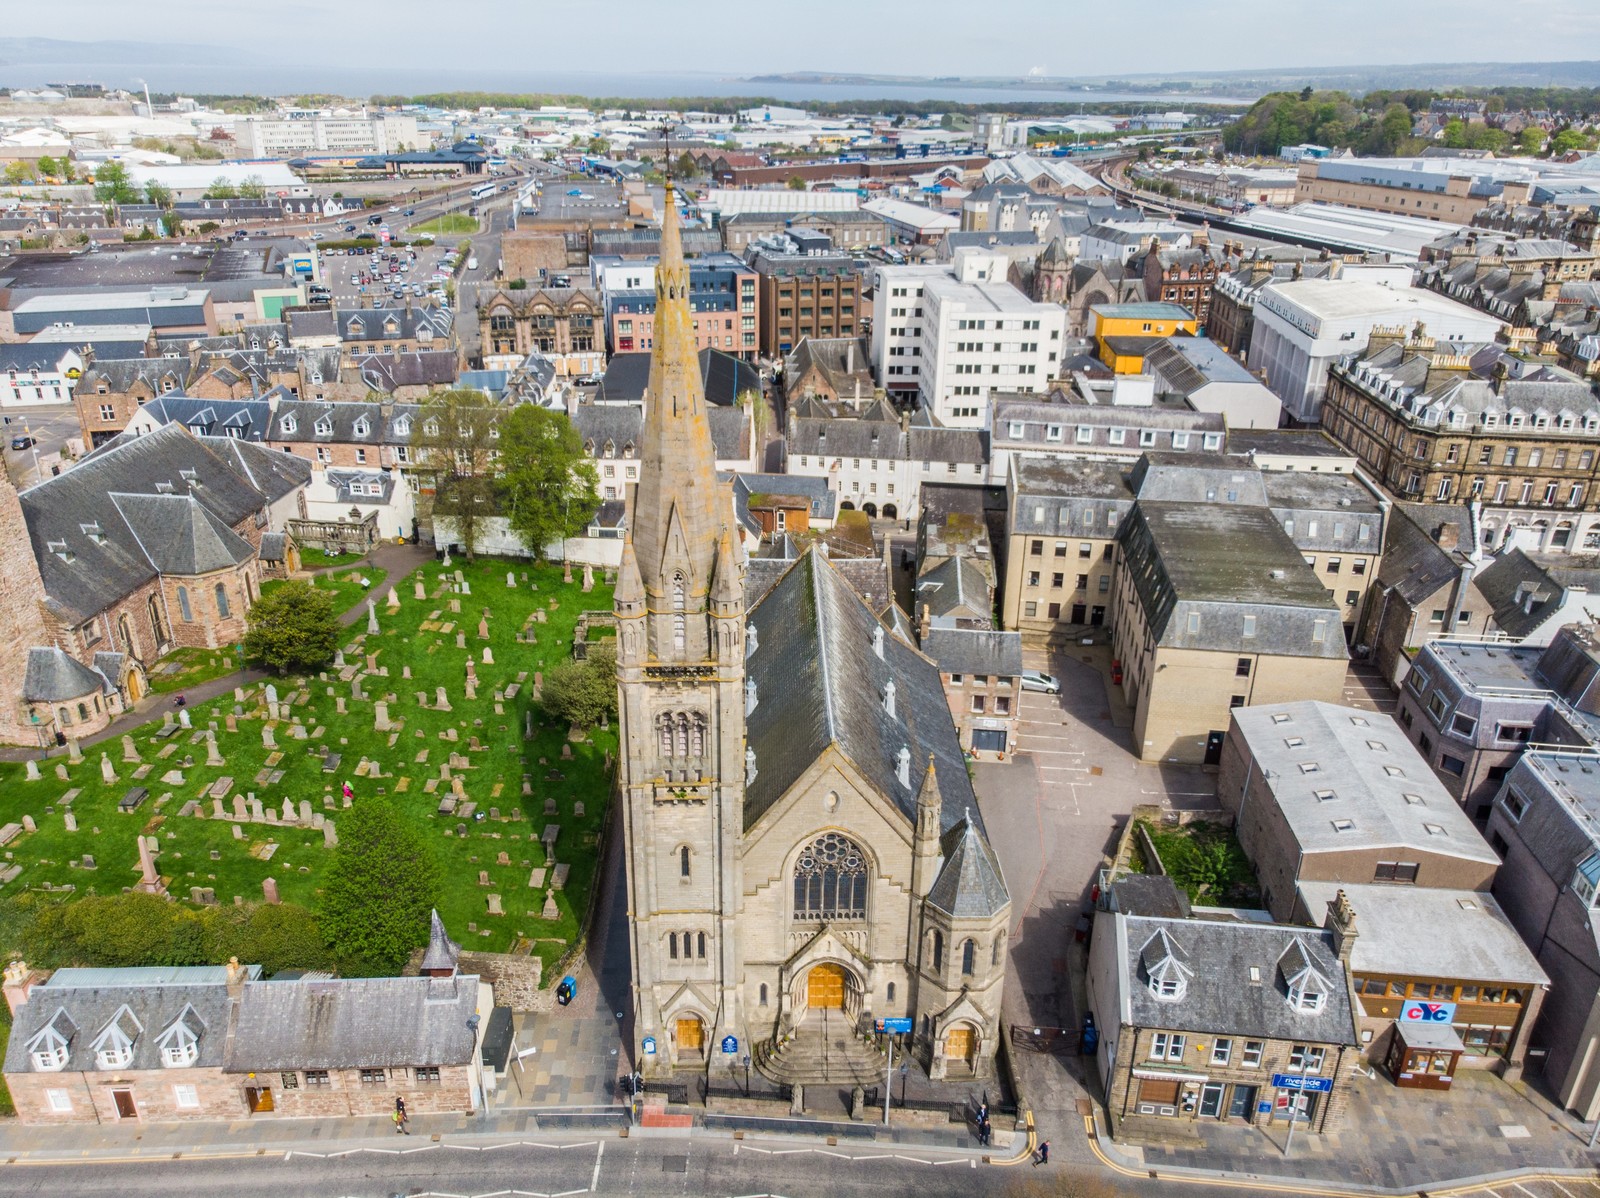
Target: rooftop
(1423, 932)
(1348, 780)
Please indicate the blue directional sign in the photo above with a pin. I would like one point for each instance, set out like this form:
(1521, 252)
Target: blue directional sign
(1295, 1081)
(730, 1044)
(894, 1027)
(649, 1046)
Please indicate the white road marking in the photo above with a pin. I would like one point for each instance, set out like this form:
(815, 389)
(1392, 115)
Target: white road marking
(594, 1178)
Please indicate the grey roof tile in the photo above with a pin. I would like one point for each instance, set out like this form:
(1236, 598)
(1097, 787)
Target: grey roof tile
(969, 885)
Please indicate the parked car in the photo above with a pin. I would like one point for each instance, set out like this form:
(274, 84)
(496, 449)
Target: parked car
(23, 441)
(1038, 680)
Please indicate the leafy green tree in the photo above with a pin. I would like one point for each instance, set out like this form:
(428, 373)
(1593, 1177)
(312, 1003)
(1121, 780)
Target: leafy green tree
(112, 185)
(599, 145)
(381, 885)
(581, 692)
(549, 487)
(1567, 140)
(1531, 141)
(796, 183)
(221, 189)
(275, 936)
(47, 165)
(158, 194)
(684, 167)
(292, 627)
(455, 438)
(19, 172)
(252, 188)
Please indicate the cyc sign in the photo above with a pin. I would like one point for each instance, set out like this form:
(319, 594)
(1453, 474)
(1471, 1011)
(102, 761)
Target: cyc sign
(1428, 1012)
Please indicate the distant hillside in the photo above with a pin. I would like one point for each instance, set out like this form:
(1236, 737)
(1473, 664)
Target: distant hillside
(1256, 81)
(36, 50)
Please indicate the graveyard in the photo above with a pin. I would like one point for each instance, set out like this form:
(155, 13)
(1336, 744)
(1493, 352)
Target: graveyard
(432, 706)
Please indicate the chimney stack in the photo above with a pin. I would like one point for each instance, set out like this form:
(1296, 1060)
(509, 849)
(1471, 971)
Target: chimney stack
(235, 978)
(1447, 535)
(1341, 921)
(19, 980)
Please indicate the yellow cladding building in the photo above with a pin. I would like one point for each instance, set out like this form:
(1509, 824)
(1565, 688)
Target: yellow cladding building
(1124, 333)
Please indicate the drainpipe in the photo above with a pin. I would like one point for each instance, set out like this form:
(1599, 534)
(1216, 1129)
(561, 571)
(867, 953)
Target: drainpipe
(1133, 1055)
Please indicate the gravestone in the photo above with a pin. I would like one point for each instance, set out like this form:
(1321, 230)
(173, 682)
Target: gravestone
(33, 771)
(107, 774)
(71, 821)
(380, 716)
(577, 809)
(536, 879)
(494, 905)
(74, 753)
(483, 878)
(443, 703)
(338, 706)
(238, 832)
(330, 838)
(372, 617)
(504, 858)
(130, 751)
(483, 630)
(87, 862)
(394, 600)
(268, 739)
(461, 640)
(183, 718)
(488, 656)
(551, 911)
(558, 875)
(305, 811)
(588, 578)
(405, 672)
(213, 754)
(338, 659)
(550, 806)
(61, 770)
(466, 587)
(269, 890)
(420, 592)
(28, 824)
(511, 580)
(239, 812)
(231, 723)
(217, 810)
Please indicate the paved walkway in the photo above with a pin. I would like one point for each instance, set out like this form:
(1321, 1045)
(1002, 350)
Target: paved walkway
(1391, 1138)
(395, 560)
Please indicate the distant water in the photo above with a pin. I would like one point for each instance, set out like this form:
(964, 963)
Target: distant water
(288, 79)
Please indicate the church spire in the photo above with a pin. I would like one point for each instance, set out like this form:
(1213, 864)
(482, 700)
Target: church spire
(679, 508)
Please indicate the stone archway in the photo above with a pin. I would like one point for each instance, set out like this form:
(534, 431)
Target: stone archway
(871, 509)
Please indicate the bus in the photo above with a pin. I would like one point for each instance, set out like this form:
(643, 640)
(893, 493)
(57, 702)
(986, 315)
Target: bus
(482, 191)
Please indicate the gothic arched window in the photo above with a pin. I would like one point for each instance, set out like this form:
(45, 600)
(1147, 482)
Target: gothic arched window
(830, 880)
(969, 957)
(938, 952)
(681, 734)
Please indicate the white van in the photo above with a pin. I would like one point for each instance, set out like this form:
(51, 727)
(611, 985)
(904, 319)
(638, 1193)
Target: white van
(472, 264)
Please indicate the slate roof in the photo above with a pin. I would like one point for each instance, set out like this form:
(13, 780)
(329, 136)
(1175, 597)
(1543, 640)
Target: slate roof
(952, 585)
(442, 952)
(88, 552)
(54, 676)
(120, 374)
(623, 425)
(387, 373)
(83, 1012)
(249, 419)
(969, 885)
(274, 546)
(372, 324)
(819, 685)
(273, 474)
(974, 651)
(385, 424)
(179, 536)
(724, 376)
(1222, 996)
(1222, 562)
(31, 355)
(354, 1023)
(1413, 562)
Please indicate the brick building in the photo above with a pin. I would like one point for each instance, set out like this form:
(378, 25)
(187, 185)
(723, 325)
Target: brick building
(565, 324)
(152, 1045)
(803, 295)
(1445, 422)
(147, 545)
(1197, 1016)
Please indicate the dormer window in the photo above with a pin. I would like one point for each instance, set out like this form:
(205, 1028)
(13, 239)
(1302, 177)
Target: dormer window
(113, 1048)
(50, 1055)
(402, 426)
(288, 426)
(1165, 971)
(431, 428)
(180, 1043)
(361, 427)
(1307, 989)
(115, 1056)
(324, 427)
(1586, 880)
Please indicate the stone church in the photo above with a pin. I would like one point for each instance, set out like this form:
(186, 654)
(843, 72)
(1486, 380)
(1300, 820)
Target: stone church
(805, 855)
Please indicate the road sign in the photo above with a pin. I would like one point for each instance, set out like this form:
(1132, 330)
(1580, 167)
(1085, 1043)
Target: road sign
(1427, 1012)
(894, 1027)
(1295, 1081)
(649, 1046)
(730, 1044)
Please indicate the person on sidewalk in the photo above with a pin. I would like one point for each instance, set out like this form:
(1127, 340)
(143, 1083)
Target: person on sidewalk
(400, 1124)
(1041, 1154)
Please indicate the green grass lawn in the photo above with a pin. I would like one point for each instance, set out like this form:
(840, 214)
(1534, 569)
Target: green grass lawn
(449, 222)
(183, 668)
(346, 587)
(202, 851)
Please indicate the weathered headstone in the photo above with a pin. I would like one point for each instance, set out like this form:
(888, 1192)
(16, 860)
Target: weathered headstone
(238, 831)
(213, 754)
(483, 630)
(29, 824)
(330, 838)
(74, 753)
(488, 656)
(443, 703)
(33, 774)
(183, 718)
(419, 592)
(71, 821)
(372, 617)
(588, 578)
(288, 810)
(130, 751)
(511, 580)
(269, 890)
(394, 600)
(551, 911)
(268, 739)
(107, 774)
(494, 905)
(380, 716)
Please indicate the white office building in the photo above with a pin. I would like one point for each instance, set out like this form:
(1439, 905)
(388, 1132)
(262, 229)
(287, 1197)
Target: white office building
(1302, 327)
(953, 335)
(305, 133)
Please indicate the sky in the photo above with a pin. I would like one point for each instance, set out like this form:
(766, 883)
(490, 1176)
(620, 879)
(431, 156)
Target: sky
(911, 37)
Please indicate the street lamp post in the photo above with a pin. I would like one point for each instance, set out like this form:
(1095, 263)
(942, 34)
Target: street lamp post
(747, 1075)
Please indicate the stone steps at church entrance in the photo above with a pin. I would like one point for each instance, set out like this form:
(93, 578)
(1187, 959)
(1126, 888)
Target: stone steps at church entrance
(822, 1053)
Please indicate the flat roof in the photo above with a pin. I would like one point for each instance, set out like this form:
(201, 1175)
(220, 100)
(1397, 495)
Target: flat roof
(1145, 310)
(100, 332)
(1489, 665)
(1347, 779)
(1227, 553)
(98, 301)
(1338, 227)
(1420, 931)
(1286, 442)
(1337, 299)
(145, 975)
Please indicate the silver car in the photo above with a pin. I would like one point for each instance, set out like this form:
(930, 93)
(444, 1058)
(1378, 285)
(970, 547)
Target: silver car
(1038, 680)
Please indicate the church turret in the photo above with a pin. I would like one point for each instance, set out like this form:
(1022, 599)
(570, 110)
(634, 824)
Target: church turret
(628, 601)
(925, 839)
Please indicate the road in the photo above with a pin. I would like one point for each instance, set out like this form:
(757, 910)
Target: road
(50, 426)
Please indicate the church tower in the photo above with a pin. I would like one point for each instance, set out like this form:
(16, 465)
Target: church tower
(680, 698)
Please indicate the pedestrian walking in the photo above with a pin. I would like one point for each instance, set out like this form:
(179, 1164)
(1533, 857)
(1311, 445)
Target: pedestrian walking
(1041, 1154)
(400, 1108)
(400, 1124)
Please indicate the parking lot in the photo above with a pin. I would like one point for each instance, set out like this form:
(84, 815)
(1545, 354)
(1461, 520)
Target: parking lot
(356, 277)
